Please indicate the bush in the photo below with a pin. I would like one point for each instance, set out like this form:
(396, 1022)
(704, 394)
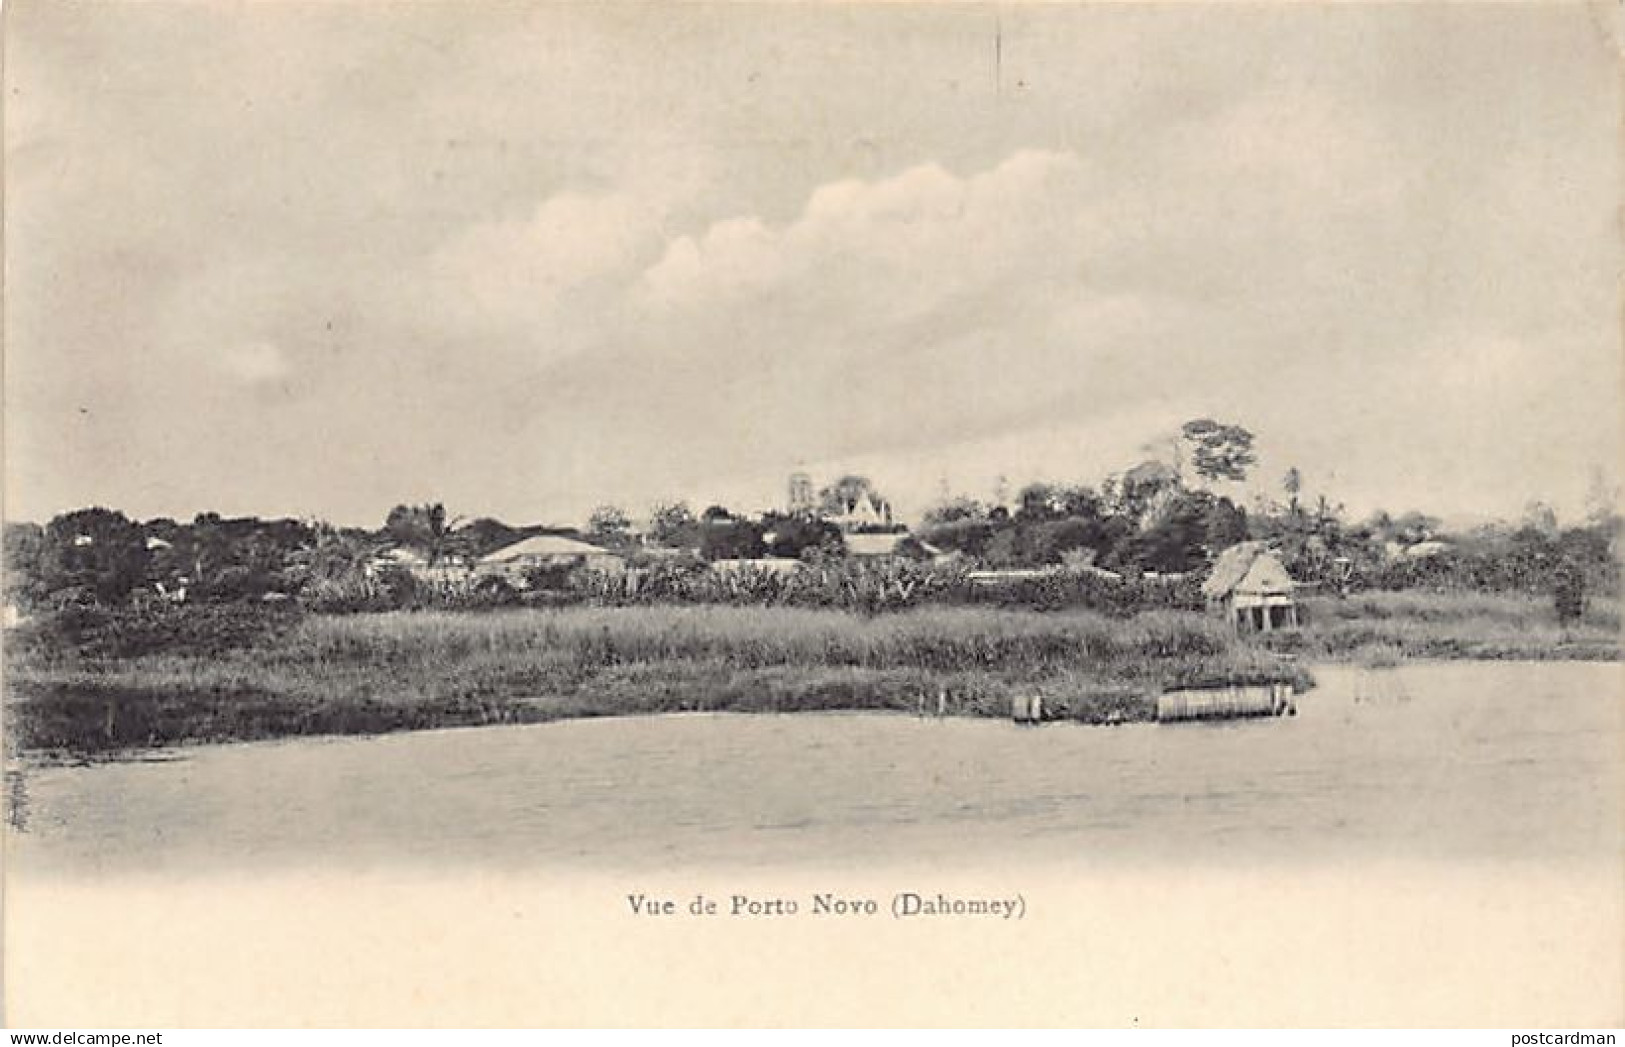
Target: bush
(1569, 594)
(1087, 591)
(100, 633)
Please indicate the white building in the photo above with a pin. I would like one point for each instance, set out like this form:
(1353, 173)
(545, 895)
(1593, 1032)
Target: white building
(550, 550)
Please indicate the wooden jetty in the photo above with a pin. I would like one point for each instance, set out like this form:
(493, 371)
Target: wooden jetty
(1226, 703)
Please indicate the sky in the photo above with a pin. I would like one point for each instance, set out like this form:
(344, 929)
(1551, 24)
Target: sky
(319, 259)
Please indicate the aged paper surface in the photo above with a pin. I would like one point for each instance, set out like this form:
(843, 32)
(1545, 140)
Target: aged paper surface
(317, 261)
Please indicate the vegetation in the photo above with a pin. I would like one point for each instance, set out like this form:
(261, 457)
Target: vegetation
(155, 632)
(1392, 626)
(196, 680)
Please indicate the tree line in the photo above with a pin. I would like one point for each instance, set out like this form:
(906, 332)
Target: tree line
(1169, 515)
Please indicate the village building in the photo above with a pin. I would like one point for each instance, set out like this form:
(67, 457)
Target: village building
(866, 511)
(445, 570)
(550, 551)
(1009, 576)
(1423, 550)
(895, 545)
(395, 556)
(1250, 586)
(801, 494)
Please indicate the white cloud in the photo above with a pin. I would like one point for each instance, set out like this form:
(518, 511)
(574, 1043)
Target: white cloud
(885, 250)
(503, 273)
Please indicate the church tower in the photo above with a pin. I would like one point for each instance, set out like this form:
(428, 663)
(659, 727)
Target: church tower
(801, 493)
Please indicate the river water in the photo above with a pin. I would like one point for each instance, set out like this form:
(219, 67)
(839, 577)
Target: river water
(1446, 760)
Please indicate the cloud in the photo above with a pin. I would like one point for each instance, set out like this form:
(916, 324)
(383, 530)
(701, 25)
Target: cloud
(885, 250)
(506, 273)
(529, 261)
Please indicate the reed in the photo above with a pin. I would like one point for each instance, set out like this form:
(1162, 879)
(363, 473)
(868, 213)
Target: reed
(364, 673)
(1385, 628)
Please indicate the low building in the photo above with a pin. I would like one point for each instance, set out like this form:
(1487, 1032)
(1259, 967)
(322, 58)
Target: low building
(866, 511)
(1010, 576)
(894, 545)
(444, 571)
(1250, 586)
(550, 551)
(1013, 576)
(1426, 549)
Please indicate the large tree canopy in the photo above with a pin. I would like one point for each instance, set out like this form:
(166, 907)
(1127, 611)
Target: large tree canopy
(423, 527)
(839, 496)
(1219, 451)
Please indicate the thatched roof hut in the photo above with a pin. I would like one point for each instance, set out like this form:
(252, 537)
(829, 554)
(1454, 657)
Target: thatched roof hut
(1251, 587)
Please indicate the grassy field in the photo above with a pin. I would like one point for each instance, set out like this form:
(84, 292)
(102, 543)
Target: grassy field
(1386, 628)
(209, 676)
(380, 672)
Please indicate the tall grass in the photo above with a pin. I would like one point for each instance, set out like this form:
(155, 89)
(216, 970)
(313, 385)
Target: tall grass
(937, 638)
(371, 672)
(1389, 626)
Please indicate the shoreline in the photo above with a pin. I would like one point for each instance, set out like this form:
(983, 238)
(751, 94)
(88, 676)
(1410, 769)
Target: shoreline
(36, 759)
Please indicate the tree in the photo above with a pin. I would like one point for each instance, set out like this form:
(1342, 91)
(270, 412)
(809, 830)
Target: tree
(1328, 516)
(1292, 483)
(608, 523)
(793, 535)
(1143, 488)
(1080, 500)
(424, 528)
(953, 509)
(841, 495)
(1038, 502)
(1224, 523)
(1219, 451)
(24, 545)
(731, 540)
(486, 535)
(333, 555)
(968, 536)
(1050, 542)
(1568, 594)
(97, 554)
(1177, 541)
(1414, 527)
(672, 524)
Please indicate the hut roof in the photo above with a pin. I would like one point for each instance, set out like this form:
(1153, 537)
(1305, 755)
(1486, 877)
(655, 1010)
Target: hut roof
(899, 543)
(1249, 567)
(544, 545)
(399, 554)
(875, 544)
